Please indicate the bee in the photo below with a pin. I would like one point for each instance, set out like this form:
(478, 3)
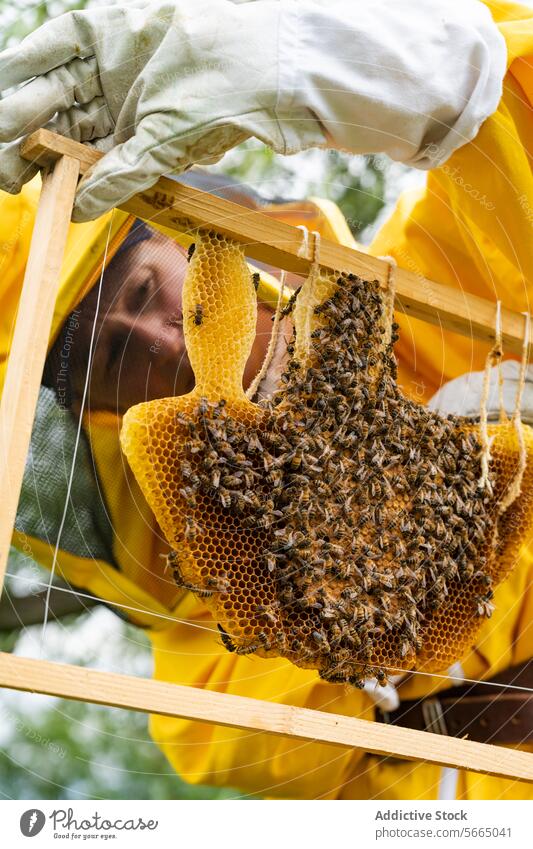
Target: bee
(482, 577)
(256, 279)
(249, 521)
(192, 528)
(254, 444)
(203, 407)
(466, 570)
(281, 640)
(405, 648)
(190, 251)
(331, 676)
(360, 615)
(201, 592)
(183, 421)
(321, 640)
(194, 446)
(186, 469)
(356, 681)
(210, 460)
(189, 495)
(263, 642)
(293, 541)
(291, 302)
(298, 648)
(484, 606)
(277, 440)
(252, 499)
(239, 502)
(296, 459)
(304, 497)
(219, 408)
(225, 498)
(275, 476)
(268, 461)
(387, 581)
(271, 561)
(171, 560)
(266, 612)
(214, 431)
(232, 481)
(227, 642)
(381, 676)
(197, 315)
(333, 549)
(226, 450)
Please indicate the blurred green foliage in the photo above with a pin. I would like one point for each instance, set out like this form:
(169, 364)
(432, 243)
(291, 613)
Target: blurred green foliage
(74, 750)
(57, 749)
(356, 184)
(19, 19)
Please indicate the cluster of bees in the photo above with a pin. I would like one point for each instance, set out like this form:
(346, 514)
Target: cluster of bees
(366, 505)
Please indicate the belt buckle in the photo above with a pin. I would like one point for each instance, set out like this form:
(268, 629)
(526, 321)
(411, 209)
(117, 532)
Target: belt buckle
(433, 715)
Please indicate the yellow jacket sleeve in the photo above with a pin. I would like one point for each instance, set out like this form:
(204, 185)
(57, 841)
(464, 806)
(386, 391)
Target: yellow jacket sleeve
(17, 213)
(472, 226)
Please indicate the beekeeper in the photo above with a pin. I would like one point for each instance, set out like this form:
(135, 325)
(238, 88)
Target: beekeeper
(161, 86)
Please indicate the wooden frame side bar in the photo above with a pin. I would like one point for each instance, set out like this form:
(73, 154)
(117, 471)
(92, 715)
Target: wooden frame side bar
(147, 696)
(30, 338)
(180, 207)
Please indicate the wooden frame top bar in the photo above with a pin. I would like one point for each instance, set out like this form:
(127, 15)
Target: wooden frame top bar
(180, 207)
(148, 696)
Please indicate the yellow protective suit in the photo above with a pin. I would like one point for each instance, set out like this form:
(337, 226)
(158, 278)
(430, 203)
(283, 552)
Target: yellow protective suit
(471, 227)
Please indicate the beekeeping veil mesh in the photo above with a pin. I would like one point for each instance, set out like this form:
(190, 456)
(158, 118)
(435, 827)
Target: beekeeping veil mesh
(78, 499)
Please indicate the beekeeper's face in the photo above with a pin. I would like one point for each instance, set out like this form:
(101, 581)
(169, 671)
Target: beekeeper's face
(139, 352)
(139, 349)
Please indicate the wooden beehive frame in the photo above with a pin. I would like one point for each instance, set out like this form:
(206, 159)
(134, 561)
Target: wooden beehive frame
(179, 207)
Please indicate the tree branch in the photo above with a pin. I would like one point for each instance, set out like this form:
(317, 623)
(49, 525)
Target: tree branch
(19, 612)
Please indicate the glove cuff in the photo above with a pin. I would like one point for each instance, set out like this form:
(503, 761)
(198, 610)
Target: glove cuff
(462, 396)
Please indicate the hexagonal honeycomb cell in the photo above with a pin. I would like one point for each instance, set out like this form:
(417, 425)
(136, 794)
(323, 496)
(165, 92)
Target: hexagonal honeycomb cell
(339, 524)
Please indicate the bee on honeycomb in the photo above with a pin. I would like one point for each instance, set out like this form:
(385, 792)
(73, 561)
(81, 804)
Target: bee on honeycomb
(338, 524)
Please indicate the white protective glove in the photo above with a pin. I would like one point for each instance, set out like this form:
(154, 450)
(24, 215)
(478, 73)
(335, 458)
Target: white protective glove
(168, 84)
(462, 396)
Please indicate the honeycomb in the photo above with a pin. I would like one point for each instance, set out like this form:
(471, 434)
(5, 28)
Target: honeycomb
(338, 524)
